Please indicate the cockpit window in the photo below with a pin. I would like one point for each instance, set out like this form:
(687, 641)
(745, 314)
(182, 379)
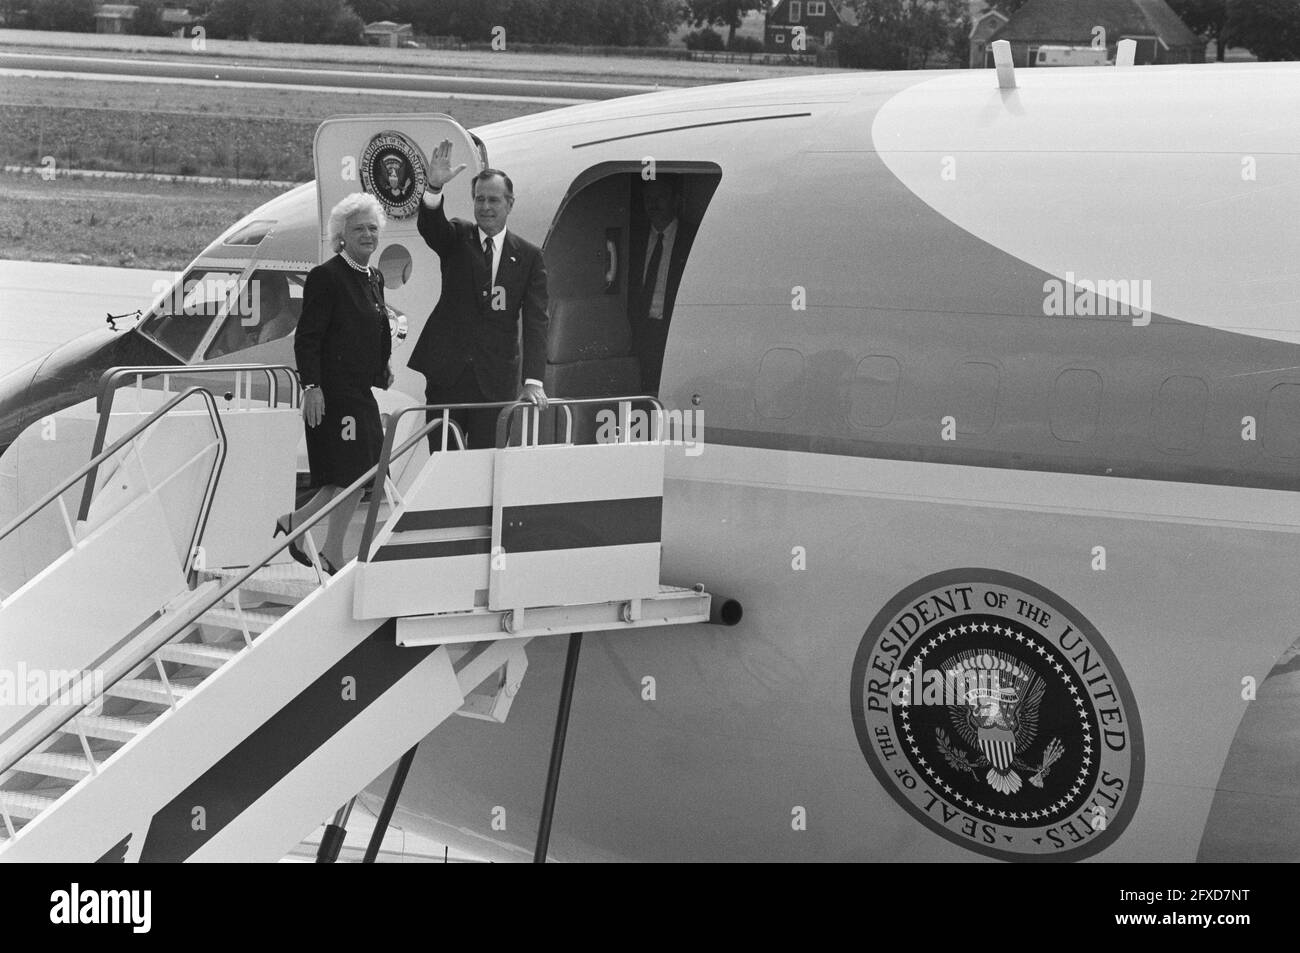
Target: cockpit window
(181, 319)
(267, 309)
(251, 234)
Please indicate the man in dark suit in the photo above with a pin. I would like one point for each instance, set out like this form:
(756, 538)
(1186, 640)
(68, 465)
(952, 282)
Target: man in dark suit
(658, 248)
(491, 278)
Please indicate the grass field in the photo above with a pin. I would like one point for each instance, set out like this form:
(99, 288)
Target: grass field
(193, 130)
(169, 129)
(125, 224)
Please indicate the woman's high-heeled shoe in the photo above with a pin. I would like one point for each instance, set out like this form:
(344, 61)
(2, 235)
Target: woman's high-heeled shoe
(281, 530)
(299, 556)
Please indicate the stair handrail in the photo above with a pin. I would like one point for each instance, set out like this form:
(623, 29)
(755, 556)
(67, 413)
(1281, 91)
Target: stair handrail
(507, 409)
(564, 403)
(108, 388)
(93, 465)
(187, 617)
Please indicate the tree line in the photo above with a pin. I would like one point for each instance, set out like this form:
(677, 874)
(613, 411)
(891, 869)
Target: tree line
(912, 34)
(577, 22)
(890, 34)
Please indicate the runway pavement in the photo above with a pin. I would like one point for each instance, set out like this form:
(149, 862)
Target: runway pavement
(219, 74)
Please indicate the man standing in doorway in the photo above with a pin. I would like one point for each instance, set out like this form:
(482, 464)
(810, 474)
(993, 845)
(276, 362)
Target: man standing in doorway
(491, 279)
(659, 246)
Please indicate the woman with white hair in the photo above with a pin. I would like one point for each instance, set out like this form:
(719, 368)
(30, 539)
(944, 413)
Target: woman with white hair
(342, 348)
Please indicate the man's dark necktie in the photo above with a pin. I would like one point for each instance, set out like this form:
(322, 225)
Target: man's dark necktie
(652, 270)
(487, 258)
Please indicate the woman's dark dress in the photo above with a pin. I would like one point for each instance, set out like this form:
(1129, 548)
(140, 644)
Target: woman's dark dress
(343, 344)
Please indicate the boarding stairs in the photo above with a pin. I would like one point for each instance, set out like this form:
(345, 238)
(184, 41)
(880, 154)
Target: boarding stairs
(191, 704)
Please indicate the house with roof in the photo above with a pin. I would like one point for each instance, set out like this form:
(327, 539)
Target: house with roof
(178, 20)
(390, 34)
(1162, 37)
(983, 26)
(818, 20)
(114, 18)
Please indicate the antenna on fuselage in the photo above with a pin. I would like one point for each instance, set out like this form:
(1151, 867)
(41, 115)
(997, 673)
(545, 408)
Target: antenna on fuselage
(1126, 52)
(1005, 64)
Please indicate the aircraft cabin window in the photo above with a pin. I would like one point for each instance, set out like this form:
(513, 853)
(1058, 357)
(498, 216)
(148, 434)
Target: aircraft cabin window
(267, 309)
(778, 390)
(1178, 417)
(873, 395)
(975, 396)
(1076, 405)
(252, 233)
(181, 320)
(1280, 432)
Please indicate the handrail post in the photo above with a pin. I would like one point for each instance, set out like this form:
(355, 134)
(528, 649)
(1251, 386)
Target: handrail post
(381, 475)
(67, 522)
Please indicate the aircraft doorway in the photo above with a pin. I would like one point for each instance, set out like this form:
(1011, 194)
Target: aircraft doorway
(615, 258)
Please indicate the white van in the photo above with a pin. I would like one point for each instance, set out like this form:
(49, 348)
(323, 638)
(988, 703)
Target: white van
(1070, 56)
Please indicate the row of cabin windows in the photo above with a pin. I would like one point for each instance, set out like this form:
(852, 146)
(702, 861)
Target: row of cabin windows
(1177, 414)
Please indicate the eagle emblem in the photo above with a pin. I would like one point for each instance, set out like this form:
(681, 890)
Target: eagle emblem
(976, 696)
(395, 174)
(997, 718)
(392, 170)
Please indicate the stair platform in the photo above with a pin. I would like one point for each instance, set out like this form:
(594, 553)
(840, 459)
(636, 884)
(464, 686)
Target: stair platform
(672, 605)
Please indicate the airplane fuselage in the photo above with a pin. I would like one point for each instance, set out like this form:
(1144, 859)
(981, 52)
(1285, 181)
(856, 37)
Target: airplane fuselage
(998, 392)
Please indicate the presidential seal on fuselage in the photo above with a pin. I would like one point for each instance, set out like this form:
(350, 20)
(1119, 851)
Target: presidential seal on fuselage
(392, 170)
(997, 716)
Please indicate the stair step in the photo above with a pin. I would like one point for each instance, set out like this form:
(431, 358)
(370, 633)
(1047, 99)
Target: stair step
(73, 767)
(24, 805)
(228, 616)
(285, 580)
(148, 690)
(111, 728)
(257, 620)
(199, 653)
